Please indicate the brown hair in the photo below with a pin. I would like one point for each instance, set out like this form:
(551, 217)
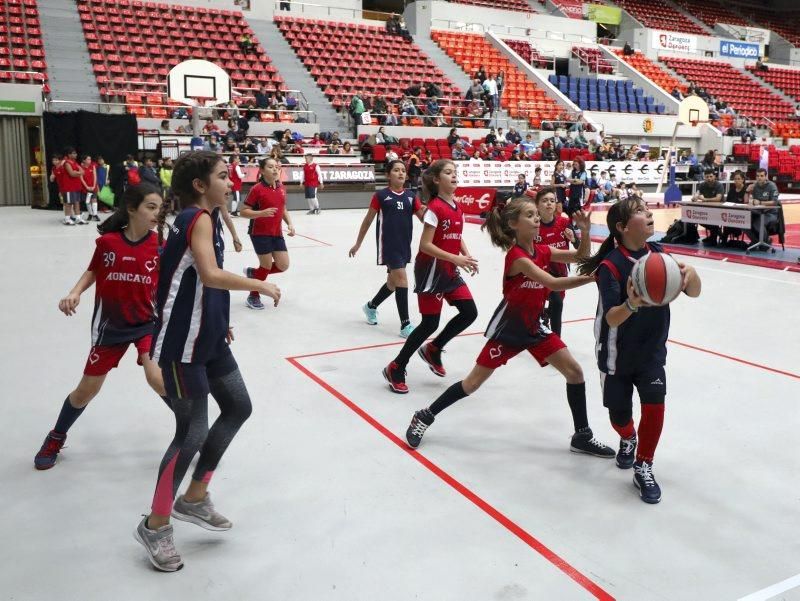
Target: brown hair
(542, 192)
(498, 222)
(193, 165)
(429, 187)
(130, 201)
(619, 213)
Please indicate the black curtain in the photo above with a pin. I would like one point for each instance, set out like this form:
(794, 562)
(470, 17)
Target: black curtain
(112, 136)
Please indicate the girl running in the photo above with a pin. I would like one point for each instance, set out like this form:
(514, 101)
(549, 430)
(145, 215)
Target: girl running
(124, 268)
(554, 231)
(89, 188)
(395, 207)
(191, 346)
(631, 340)
(442, 252)
(516, 324)
(237, 176)
(266, 208)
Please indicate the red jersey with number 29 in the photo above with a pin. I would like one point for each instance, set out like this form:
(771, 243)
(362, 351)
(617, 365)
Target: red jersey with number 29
(433, 275)
(262, 197)
(126, 277)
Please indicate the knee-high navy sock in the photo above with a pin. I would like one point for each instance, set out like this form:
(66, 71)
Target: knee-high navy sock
(382, 295)
(576, 397)
(447, 398)
(67, 417)
(401, 298)
(425, 328)
(555, 307)
(467, 313)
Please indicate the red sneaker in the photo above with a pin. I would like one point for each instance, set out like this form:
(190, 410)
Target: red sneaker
(396, 377)
(433, 357)
(46, 457)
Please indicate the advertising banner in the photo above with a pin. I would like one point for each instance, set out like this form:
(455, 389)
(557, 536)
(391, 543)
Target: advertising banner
(739, 49)
(722, 215)
(675, 42)
(293, 174)
(503, 174)
(474, 201)
(572, 8)
(607, 15)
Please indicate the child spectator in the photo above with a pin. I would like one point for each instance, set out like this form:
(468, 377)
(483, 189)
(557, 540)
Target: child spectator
(521, 186)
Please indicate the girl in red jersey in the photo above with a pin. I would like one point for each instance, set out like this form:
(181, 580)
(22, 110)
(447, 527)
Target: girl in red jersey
(395, 207)
(71, 190)
(312, 180)
(266, 208)
(442, 252)
(124, 268)
(516, 324)
(89, 188)
(236, 176)
(555, 231)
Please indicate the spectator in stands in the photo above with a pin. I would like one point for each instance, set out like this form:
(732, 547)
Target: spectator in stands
(212, 142)
(797, 110)
(490, 87)
(347, 148)
(452, 137)
(401, 23)
(528, 145)
(415, 90)
(148, 174)
(407, 108)
(513, 137)
(760, 66)
(210, 126)
(286, 5)
(391, 155)
(291, 102)
(522, 155)
(316, 141)
(264, 146)
(249, 147)
(413, 167)
(262, 98)
(604, 188)
(763, 193)
(164, 128)
(537, 177)
(710, 191)
(427, 160)
(676, 93)
(500, 80)
(480, 74)
(634, 191)
(475, 91)
(356, 108)
(476, 111)
(393, 25)
(434, 113)
(491, 137)
(334, 148)
(627, 50)
(276, 154)
(246, 43)
(458, 152)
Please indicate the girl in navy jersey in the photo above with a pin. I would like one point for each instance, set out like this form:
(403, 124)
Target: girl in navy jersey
(395, 207)
(555, 231)
(191, 346)
(442, 252)
(124, 269)
(266, 208)
(559, 182)
(631, 340)
(516, 324)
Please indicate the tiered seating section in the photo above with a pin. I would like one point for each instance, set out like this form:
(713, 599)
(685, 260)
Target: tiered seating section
(660, 16)
(471, 51)
(515, 5)
(784, 23)
(785, 162)
(21, 46)
(654, 71)
(530, 54)
(711, 12)
(594, 58)
(345, 58)
(786, 80)
(728, 84)
(614, 95)
(133, 45)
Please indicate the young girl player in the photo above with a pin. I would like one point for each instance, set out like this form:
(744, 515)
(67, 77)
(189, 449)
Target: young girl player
(89, 187)
(312, 181)
(631, 340)
(516, 324)
(237, 177)
(395, 207)
(266, 208)
(124, 269)
(191, 346)
(442, 252)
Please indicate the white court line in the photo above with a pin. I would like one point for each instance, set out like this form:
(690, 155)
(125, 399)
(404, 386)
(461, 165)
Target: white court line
(748, 275)
(772, 591)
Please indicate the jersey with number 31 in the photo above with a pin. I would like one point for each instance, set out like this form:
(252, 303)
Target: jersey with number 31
(126, 276)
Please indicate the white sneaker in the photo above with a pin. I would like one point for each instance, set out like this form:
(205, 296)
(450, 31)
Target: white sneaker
(80, 221)
(160, 546)
(68, 221)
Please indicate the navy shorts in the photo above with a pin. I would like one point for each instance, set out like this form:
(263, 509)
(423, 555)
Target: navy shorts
(651, 384)
(265, 245)
(190, 380)
(311, 191)
(71, 197)
(395, 260)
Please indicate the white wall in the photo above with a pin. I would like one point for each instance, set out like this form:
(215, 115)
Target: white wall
(336, 10)
(25, 92)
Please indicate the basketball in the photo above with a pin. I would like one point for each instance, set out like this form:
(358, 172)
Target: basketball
(657, 278)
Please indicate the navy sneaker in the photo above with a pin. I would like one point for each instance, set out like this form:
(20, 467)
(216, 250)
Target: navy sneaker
(585, 442)
(433, 357)
(46, 457)
(627, 453)
(419, 423)
(254, 302)
(645, 481)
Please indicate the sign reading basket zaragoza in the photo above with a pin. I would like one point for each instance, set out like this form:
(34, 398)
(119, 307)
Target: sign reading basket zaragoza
(739, 49)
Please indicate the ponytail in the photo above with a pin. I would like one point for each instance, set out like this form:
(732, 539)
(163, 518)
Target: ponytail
(618, 214)
(588, 265)
(429, 187)
(498, 220)
(130, 201)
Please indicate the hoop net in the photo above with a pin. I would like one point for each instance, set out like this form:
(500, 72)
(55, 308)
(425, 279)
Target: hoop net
(202, 100)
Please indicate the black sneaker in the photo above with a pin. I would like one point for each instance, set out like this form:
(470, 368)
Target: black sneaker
(645, 481)
(396, 377)
(585, 442)
(627, 453)
(419, 423)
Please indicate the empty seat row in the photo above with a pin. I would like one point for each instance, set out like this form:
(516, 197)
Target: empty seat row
(660, 15)
(22, 57)
(616, 96)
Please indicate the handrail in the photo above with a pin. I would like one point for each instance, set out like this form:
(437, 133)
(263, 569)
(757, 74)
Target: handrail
(593, 62)
(459, 26)
(356, 13)
(161, 84)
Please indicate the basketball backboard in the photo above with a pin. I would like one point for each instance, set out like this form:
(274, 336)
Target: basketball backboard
(194, 79)
(692, 109)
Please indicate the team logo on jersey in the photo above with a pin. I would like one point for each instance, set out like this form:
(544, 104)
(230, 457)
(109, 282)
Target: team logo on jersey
(94, 358)
(496, 351)
(657, 382)
(151, 264)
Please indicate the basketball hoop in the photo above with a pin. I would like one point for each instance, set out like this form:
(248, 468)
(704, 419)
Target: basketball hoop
(694, 123)
(201, 100)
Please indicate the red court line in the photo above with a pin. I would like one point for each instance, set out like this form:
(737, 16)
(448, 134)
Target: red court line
(737, 359)
(498, 516)
(314, 239)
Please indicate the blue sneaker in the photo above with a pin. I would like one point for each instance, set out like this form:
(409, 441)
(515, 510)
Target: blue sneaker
(372, 315)
(46, 457)
(645, 481)
(254, 302)
(406, 331)
(249, 273)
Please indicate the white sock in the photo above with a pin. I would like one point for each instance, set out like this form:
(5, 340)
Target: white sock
(316, 203)
(94, 208)
(311, 202)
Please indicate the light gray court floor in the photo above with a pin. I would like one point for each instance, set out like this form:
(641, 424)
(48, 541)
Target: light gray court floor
(326, 502)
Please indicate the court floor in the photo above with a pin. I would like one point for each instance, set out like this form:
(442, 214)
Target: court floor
(326, 501)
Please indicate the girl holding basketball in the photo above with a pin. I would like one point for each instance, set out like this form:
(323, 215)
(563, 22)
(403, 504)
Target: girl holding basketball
(442, 251)
(516, 324)
(631, 339)
(124, 270)
(395, 208)
(554, 230)
(191, 345)
(266, 208)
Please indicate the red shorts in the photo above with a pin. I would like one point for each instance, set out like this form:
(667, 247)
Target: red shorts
(495, 354)
(102, 359)
(431, 304)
